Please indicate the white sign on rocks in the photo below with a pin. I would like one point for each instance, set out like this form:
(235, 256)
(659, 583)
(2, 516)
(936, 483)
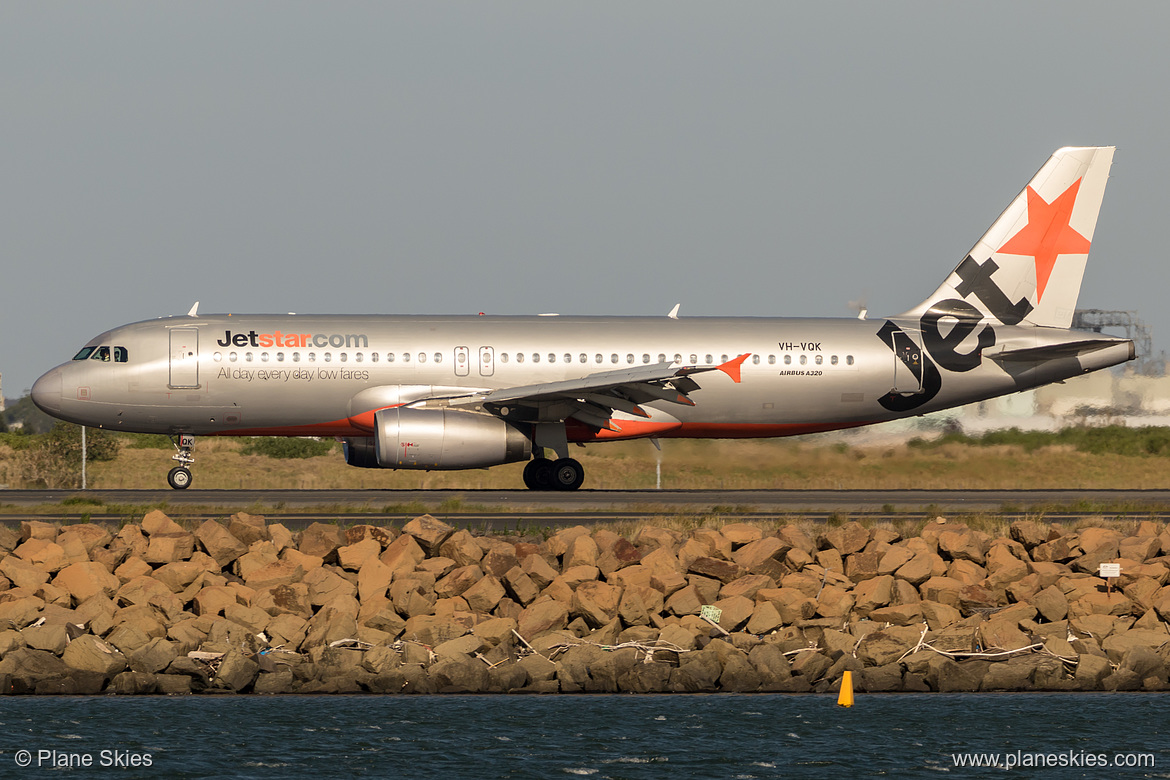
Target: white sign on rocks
(1109, 570)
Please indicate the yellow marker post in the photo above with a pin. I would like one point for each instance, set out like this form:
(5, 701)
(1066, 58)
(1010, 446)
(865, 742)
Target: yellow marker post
(845, 698)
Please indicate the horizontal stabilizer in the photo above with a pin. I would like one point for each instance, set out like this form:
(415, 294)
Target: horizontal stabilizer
(1054, 351)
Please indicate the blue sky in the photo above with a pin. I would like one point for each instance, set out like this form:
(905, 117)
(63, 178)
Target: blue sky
(588, 158)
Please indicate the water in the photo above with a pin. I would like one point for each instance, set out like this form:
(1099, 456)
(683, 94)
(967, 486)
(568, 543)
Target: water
(618, 736)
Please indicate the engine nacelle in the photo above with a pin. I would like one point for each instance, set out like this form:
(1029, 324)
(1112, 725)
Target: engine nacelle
(441, 439)
(361, 453)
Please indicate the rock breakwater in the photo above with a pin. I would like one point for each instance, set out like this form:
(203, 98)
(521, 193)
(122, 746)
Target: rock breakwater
(247, 606)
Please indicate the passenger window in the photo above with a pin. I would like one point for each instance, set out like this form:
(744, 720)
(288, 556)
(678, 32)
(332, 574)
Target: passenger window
(833, 360)
(820, 359)
(296, 357)
(694, 359)
(120, 355)
(519, 357)
(661, 357)
(232, 357)
(344, 356)
(312, 357)
(723, 358)
(405, 357)
(597, 358)
(279, 357)
(788, 360)
(357, 357)
(217, 357)
(264, 357)
(584, 358)
(84, 353)
(804, 360)
(438, 357)
(503, 357)
(771, 360)
(755, 360)
(677, 358)
(248, 357)
(552, 358)
(569, 358)
(422, 357)
(328, 356)
(389, 357)
(710, 359)
(373, 357)
(630, 358)
(848, 360)
(613, 358)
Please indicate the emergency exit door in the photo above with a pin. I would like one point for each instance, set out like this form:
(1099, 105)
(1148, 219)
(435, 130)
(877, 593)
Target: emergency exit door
(184, 358)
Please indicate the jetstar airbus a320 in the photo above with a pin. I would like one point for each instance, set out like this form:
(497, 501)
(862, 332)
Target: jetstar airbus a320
(464, 392)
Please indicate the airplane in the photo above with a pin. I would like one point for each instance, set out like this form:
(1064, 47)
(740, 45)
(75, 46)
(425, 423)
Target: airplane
(475, 391)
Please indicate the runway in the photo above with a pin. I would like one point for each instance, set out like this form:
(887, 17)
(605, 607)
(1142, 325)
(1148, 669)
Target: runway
(633, 502)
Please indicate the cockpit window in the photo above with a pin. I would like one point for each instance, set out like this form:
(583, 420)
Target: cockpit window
(104, 354)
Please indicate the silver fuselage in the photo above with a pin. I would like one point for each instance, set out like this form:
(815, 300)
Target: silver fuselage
(301, 375)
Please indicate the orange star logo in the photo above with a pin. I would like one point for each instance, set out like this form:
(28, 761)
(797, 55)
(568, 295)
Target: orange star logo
(1048, 234)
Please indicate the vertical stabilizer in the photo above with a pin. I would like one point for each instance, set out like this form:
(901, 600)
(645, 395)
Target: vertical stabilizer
(1027, 267)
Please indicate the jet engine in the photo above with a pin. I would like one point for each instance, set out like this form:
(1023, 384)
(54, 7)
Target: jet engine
(437, 439)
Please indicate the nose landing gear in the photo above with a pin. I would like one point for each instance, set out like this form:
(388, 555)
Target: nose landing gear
(179, 477)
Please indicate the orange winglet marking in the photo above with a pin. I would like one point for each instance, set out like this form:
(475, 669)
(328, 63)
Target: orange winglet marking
(731, 367)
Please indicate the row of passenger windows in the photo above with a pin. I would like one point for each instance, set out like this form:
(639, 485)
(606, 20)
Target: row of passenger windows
(504, 357)
(104, 354)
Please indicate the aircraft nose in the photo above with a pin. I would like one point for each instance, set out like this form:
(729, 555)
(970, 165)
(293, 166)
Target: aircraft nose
(46, 392)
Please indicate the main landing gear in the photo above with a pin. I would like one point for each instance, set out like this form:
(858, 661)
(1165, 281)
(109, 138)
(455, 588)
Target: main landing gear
(560, 474)
(179, 477)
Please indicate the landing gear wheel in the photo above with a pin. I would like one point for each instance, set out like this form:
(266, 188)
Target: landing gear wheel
(179, 478)
(568, 474)
(538, 474)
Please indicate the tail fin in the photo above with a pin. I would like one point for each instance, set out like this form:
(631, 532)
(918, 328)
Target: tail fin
(1028, 265)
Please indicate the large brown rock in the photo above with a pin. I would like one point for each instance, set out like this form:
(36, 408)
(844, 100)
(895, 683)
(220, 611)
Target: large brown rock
(219, 543)
(596, 603)
(873, 593)
(403, 554)
(845, 539)
(249, 529)
(22, 574)
(542, 616)
(149, 591)
(86, 579)
(48, 556)
(763, 556)
(724, 571)
(236, 672)
(429, 533)
(353, 556)
(582, 551)
(169, 547)
(277, 572)
(321, 540)
(484, 595)
(87, 653)
(462, 548)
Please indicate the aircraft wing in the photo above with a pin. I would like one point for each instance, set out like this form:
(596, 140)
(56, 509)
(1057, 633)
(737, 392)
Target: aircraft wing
(592, 399)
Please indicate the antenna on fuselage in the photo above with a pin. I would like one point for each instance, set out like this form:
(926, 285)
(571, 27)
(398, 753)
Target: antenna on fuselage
(194, 310)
